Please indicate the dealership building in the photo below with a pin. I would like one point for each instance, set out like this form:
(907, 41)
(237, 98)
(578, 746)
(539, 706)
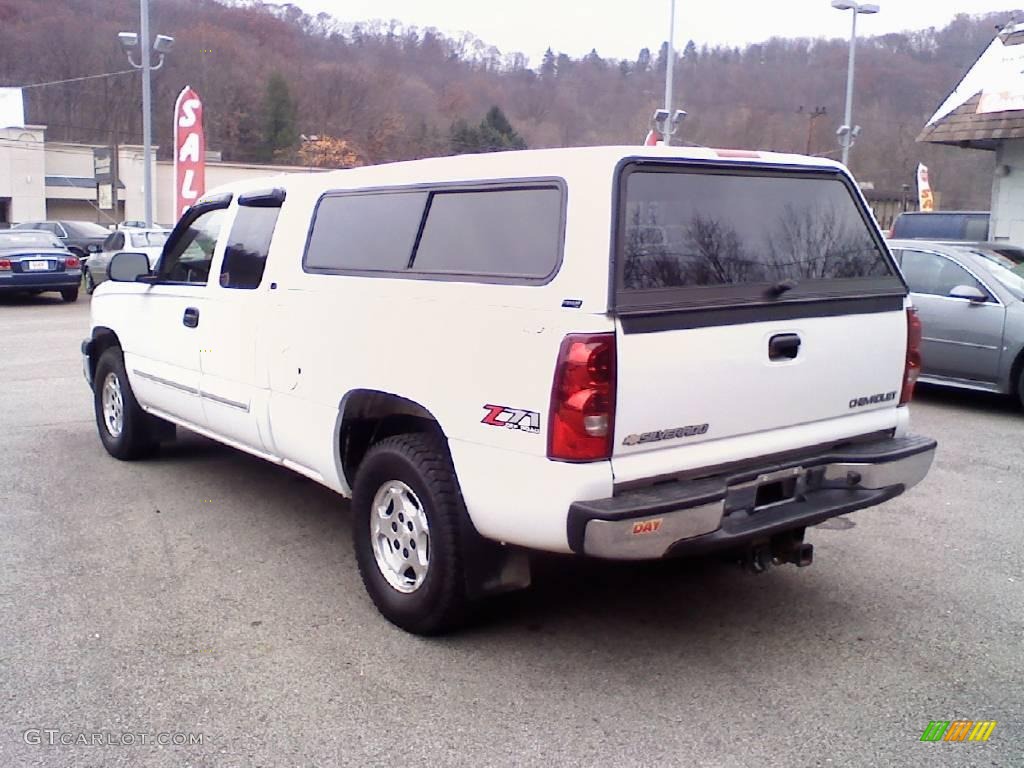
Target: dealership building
(57, 180)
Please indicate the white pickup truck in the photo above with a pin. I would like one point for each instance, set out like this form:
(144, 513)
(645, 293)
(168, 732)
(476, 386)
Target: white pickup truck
(618, 352)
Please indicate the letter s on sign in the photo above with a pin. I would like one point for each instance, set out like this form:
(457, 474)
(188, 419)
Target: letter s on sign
(188, 108)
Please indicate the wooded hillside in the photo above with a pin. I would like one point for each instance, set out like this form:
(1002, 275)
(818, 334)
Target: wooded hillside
(384, 91)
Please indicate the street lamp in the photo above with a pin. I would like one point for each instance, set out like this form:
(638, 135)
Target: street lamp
(847, 132)
(666, 124)
(162, 44)
(669, 67)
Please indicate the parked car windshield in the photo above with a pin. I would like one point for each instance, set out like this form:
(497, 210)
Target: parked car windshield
(85, 229)
(1004, 269)
(148, 239)
(29, 240)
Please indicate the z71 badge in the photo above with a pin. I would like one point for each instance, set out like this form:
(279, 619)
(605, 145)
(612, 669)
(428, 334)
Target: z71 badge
(511, 418)
(666, 434)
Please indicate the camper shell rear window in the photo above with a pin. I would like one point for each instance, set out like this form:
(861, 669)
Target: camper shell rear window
(693, 235)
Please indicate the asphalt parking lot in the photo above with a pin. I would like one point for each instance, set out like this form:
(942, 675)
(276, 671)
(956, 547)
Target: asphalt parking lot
(206, 592)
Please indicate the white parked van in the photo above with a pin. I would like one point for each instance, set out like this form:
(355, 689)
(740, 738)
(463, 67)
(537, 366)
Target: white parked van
(618, 352)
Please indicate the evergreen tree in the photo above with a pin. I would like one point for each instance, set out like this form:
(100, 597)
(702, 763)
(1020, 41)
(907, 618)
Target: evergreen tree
(547, 67)
(494, 134)
(279, 113)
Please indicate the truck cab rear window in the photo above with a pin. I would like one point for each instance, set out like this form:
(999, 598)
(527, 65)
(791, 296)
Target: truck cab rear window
(700, 228)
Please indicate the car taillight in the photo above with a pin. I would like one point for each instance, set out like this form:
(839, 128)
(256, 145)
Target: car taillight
(5, 264)
(71, 262)
(912, 368)
(582, 417)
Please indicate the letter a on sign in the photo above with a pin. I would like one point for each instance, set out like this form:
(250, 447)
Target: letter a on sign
(189, 151)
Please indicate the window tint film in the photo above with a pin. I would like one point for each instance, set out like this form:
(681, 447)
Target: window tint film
(245, 254)
(372, 231)
(502, 232)
(189, 259)
(703, 229)
(935, 275)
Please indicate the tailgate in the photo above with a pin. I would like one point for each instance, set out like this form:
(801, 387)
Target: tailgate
(758, 312)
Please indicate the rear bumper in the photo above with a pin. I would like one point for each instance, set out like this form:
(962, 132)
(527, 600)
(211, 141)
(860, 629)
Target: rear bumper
(682, 518)
(41, 281)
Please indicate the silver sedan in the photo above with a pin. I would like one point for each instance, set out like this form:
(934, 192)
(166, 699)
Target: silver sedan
(147, 241)
(970, 298)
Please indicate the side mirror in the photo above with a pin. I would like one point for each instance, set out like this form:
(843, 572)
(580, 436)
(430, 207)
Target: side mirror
(94, 248)
(970, 293)
(128, 267)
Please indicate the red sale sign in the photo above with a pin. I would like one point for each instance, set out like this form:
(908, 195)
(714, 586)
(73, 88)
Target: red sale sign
(189, 151)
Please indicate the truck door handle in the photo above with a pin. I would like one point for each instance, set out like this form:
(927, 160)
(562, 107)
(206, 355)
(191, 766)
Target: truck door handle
(783, 346)
(191, 317)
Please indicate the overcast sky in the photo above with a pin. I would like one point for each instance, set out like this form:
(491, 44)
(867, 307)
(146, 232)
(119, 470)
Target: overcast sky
(620, 28)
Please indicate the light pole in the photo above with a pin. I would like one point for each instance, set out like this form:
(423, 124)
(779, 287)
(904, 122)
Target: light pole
(162, 45)
(670, 66)
(848, 131)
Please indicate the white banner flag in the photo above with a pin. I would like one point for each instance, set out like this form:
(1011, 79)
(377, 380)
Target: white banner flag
(925, 201)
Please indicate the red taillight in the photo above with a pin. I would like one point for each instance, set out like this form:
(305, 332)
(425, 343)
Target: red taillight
(582, 420)
(71, 262)
(5, 264)
(913, 366)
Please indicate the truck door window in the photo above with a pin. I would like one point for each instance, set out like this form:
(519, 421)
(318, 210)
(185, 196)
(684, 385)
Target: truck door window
(189, 259)
(245, 255)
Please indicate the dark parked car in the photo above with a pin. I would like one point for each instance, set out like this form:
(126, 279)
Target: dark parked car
(970, 298)
(34, 262)
(941, 225)
(77, 236)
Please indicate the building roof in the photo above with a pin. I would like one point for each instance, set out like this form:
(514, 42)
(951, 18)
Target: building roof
(966, 127)
(987, 106)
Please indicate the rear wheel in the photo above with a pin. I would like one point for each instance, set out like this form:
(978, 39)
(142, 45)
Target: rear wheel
(1020, 387)
(126, 431)
(407, 517)
(69, 294)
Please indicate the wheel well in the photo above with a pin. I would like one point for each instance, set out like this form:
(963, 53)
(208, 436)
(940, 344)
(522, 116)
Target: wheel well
(1015, 371)
(369, 416)
(102, 340)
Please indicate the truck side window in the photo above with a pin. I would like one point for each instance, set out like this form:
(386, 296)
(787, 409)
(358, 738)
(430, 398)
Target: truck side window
(245, 255)
(190, 257)
(499, 232)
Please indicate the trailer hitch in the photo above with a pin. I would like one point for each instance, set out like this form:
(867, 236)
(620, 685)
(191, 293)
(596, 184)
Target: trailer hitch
(788, 547)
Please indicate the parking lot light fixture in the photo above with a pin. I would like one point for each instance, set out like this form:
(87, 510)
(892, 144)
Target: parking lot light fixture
(848, 131)
(162, 45)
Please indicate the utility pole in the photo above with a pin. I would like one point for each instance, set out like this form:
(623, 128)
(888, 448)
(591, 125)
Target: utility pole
(812, 117)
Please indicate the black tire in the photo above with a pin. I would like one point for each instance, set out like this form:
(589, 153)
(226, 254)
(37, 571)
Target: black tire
(1020, 387)
(137, 437)
(421, 462)
(69, 294)
(90, 284)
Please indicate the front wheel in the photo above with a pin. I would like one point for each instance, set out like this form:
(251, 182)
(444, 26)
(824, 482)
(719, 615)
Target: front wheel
(90, 284)
(407, 517)
(126, 431)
